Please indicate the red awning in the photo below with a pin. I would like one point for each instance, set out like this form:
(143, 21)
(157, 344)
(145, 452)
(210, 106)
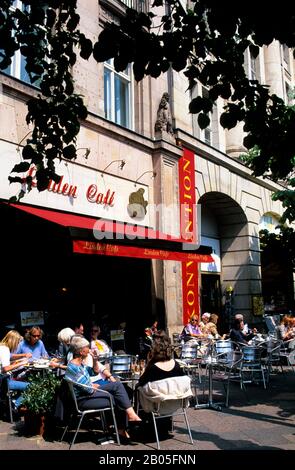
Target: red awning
(125, 239)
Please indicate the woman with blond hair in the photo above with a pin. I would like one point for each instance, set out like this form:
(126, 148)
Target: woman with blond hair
(8, 344)
(212, 326)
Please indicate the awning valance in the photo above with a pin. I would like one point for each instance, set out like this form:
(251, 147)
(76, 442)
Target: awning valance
(106, 249)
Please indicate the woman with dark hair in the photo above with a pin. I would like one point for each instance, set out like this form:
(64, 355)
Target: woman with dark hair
(161, 364)
(33, 343)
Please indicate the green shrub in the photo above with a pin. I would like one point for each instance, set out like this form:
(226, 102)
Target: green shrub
(39, 396)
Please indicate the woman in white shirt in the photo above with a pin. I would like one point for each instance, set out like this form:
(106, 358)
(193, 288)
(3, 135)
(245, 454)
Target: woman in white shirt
(7, 346)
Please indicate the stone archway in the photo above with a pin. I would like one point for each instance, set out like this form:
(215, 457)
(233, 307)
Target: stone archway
(223, 218)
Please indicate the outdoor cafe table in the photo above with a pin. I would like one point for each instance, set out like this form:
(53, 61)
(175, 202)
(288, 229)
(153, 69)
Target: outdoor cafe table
(36, 367)
(210, 361)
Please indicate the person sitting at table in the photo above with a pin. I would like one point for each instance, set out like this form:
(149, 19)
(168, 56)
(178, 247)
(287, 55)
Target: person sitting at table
(32, 343)
(161, 365)
(191, 330)
(64, 337)
(160, 362)
(9, 343)
(240, 316)
(90, 397)
(97, 345)
(237, 335)
(285, 330)
(204, 323)
(212, 326)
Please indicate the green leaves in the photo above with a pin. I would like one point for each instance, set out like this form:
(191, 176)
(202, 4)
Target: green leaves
(50, 53)
(39, 396)
(207, 43)
(203, 120)
(21, 167)
(86, 47)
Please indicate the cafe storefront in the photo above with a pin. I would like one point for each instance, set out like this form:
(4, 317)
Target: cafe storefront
(84, 248)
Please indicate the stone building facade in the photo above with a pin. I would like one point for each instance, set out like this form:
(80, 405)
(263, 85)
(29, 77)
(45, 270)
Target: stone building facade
(121, 126)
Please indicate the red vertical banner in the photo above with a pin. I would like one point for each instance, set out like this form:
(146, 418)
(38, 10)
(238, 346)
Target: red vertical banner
(188, 230)
(190, 290)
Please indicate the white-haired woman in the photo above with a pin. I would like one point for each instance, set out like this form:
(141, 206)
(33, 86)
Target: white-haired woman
(91, 398)
(204, 323)
(64, 337)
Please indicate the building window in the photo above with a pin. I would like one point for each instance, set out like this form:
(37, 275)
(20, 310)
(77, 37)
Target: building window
(210, 135)
(286, 57)
(117, 95)
(252, 65)
(18, 61)
(139, 5)
(269, 222)
(289, 94)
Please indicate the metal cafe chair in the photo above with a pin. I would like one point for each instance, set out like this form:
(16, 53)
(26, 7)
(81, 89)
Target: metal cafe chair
(173, 405)
(6, 395)
(287, 354)
(80, 414)
(191, 355)
(252, 365)
(224, 346)
(121, 366)
(271, 350)
(227, 369)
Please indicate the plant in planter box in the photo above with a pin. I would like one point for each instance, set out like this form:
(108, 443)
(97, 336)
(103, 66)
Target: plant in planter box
(39, 400)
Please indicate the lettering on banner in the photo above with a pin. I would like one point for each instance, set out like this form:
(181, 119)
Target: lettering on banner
(190, 291)
(188, 227)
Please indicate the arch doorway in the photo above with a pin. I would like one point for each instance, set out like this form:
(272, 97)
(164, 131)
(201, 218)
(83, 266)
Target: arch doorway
(224, 228)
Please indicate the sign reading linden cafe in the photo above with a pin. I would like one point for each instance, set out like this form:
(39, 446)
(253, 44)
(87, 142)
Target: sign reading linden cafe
(81, 190)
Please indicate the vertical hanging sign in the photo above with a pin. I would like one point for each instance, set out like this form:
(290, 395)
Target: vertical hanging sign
(188, 227)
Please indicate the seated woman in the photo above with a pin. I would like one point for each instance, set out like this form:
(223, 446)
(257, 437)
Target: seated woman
(32, 343)
(161, 364)
(212, 327)
(191, 330)
(285, 330)
(90, 397)
(204, 323)
(8, 344)
(64, 337)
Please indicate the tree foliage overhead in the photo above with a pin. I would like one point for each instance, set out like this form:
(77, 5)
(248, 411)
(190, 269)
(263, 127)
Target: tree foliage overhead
(47, 35)
(281, 244)
(207, 42)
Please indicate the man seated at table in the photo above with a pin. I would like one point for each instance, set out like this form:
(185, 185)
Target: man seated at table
(32, 343)
(237, 335)
(191, 330)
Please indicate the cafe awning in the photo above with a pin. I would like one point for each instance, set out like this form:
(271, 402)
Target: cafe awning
(111, 238)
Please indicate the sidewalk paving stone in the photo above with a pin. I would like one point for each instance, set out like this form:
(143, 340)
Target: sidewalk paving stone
(267, 422)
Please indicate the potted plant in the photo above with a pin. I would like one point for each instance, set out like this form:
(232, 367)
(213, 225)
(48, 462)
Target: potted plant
(38, 402)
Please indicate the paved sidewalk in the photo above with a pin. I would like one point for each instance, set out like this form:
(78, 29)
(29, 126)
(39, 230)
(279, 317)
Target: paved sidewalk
(266, 422)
